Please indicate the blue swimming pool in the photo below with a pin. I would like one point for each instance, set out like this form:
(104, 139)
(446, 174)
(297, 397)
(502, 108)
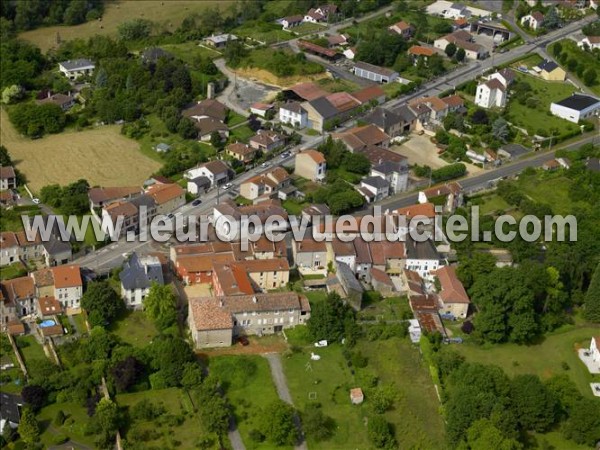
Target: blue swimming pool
(47, 323)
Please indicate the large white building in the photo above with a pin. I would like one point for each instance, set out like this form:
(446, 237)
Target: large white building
(576, 107)
(294, 114)
(491, 94)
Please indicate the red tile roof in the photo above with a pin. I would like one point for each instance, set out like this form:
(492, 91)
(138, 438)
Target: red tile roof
(452, 290)
(67, 276)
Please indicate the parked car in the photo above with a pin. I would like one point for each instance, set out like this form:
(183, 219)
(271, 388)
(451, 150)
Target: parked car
(36, 201)
(227, 186)
(196, 202)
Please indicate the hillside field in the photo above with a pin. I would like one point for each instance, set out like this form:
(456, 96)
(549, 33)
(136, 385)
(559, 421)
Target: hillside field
(168, 14)
(102, 156)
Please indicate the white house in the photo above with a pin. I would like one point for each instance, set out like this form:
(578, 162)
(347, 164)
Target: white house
(350, 53)
(589, 43)
(137, 277)
(75, 68)
(576, 107)
(533, 20)
(291, 21)
(422, 257)
(504, 76)
(68, 286)
(294, 114)
(215, 173)
(377, 186)
(395, 173)
(375, 73)
(491, 94)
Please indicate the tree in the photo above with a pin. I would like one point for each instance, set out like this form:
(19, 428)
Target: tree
(217, 141)
(160, 305)
(192, 376)
(534, 405)
(479, 117)
(449, 172)
(215, 410)
(382, 398)
(551, 19)
(99, 345)
(327, 319)
(168, 355)
(34, 396)
(557, 48)
(315, 424)
(357, 163)
(460, 54)
(134, 29)
(583, 425)
(589, 77)
(483, 435)
(592, 297)
(277, 423)
(126, 372)
(106, 422)
(476, 265)
(29, 429)
(101, 302)
(450, 49)
(500, 129)
(11, 94)
(380, 432)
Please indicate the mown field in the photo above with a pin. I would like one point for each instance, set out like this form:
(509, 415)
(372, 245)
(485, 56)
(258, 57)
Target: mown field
(167, 14)
(102, 156)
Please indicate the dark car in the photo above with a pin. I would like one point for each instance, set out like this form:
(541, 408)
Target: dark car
(196, 202)
(243, 340)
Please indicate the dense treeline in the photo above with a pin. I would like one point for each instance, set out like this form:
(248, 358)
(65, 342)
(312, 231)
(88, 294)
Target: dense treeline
(487, 409)
(520, 304)
(26, 15)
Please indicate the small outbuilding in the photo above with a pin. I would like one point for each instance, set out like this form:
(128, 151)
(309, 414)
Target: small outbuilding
(356, 396)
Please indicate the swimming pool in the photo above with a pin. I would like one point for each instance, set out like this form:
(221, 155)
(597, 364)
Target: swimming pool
(47, 323)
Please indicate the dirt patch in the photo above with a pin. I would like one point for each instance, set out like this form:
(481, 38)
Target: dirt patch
(167, 14)
(102, 156)
(266, 77)
(257, 346)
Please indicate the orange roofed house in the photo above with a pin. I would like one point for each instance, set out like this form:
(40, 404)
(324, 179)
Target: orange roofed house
(68, 286)
(215, 321)
(453, 298)
(311, 164)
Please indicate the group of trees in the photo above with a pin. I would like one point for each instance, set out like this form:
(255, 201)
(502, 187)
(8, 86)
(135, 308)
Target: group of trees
(70, 200)
(487, 409)
(569, 54)
(27, 15)
(36, 120)
(340, 196)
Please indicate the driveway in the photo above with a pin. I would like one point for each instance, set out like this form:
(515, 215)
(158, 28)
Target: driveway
(420, 150)
(283, 392)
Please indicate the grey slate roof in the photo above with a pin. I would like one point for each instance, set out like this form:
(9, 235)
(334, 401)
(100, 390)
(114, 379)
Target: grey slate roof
(578, 102)
(201, 181)
(56, 246)
(405, 113)
(9, 407)
(134, 275)
(383, 118)
(376, 182)
(515, 149)
(76, 64)
(323, 107)
(143, 200)
(388, 167)
(421, 250)
(347, 279)
(547, 65)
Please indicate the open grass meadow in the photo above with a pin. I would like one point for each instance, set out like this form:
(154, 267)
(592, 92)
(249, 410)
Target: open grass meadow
(74, 426)
(101, 155)
(248, 386)
(134, 328)
(328, 381)
(536, 117)
(556, 354)
(168, 15)
(166, 431)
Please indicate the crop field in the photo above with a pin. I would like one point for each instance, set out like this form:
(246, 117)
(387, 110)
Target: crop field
(102, 156)
(167, 14)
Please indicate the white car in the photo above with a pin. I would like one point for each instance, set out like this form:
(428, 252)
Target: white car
(36, 201)
(227, 186)
(322, 343)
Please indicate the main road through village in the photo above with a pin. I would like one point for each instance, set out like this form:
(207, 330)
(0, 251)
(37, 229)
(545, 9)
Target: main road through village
(113, 254)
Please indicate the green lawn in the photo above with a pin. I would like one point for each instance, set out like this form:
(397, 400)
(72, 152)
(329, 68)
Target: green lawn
(584, 59)
(543, 359)
(538, 120)
(293, 207)
(31, 348)
(337, 85)
(247, 389)
(308, 28)
(134, 328)
(13, 271)
(73, 427)
(80, 323)
(491, 203)
(391, 308)
(268, 33)
(415, 415)
(176, 403)
(234, 119)
(10, 219)
(328, 382)
(241, 134)
(536, 187)
(190, 51)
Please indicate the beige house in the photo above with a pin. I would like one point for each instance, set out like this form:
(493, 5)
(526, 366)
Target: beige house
(241, 152)
(267, 274)
(453, 298)
(215, 321)
(550, 71)
(265, 183)
(167, 197)
(310, 164)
